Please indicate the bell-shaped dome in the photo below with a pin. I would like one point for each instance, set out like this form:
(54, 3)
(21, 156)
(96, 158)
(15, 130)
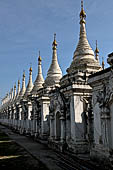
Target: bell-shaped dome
(39, 80)
(54, 73)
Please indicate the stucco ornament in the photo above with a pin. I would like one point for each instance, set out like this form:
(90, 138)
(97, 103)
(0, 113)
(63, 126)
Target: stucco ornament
(103, 98)
(24, 111)
(36, 110)
(57, 103)
(111, 86)
(51, 107)
(94, 99)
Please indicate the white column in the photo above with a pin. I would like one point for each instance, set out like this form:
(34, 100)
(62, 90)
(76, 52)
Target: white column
(44, 112)
(9, 116)
(72, 117)
(62, 119)
(20, 117)
(14, 118)
(106, 129)
(29, 117)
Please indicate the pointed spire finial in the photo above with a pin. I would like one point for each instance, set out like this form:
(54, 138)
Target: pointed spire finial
(23, 73)
(39, 59)
(15, 85)
(14, 91)
(54, 42)
(18, 81)
(54, 73)
(54, 36)
(103, 64)
(30, 83)
(82, 13)
(30, 69)
(81, 4)
(22, 91)
(39, 79)
(18, 90)
(96, 51)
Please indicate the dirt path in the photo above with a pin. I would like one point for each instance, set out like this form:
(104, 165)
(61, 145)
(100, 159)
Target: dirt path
(13, 156)
(36, 150)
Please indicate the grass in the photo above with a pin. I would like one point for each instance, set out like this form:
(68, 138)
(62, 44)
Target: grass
(14, 157)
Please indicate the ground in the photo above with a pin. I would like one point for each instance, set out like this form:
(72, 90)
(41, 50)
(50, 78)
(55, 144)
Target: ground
(13, 156)
(19, 152)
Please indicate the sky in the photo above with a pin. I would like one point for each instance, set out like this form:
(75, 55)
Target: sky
(27, 26)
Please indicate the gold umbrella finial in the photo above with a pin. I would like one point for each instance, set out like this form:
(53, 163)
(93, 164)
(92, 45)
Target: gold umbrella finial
(82, 13)
(96, 51)
(23, 73)
(54, 42)
(81, 4)
(39, 58)
(30, 69)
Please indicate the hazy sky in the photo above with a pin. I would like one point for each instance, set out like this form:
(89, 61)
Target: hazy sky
(27, 26)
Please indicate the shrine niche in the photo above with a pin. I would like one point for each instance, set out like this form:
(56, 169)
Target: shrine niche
(36, 117)
(24, 111)
(57, 103)
(57, 111)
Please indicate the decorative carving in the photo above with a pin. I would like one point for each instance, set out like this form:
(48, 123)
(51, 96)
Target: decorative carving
(57, 103)
(51, 107)
(103, 98)
(36, 112)
(111, 86)
(24, 111)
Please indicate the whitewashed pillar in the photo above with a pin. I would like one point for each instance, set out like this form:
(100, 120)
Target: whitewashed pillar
(14, 118)
(105, 127)
(62, 119)
(20, 117)
(29, 116)
(9, 116)
(45, 102)
(72, 117)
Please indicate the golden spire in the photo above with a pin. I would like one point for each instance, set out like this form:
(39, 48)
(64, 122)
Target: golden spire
(39, 58)
(23, 85)
(103, 64)
(96, 51)
(54, 73)
(18, 87)
(39, 79)
(81, 4)
(15, 86)
(82, 13)
(14, 91)
(18, 81)
(54, 42)
(23, 73)
(30, 83)
(30, 70)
